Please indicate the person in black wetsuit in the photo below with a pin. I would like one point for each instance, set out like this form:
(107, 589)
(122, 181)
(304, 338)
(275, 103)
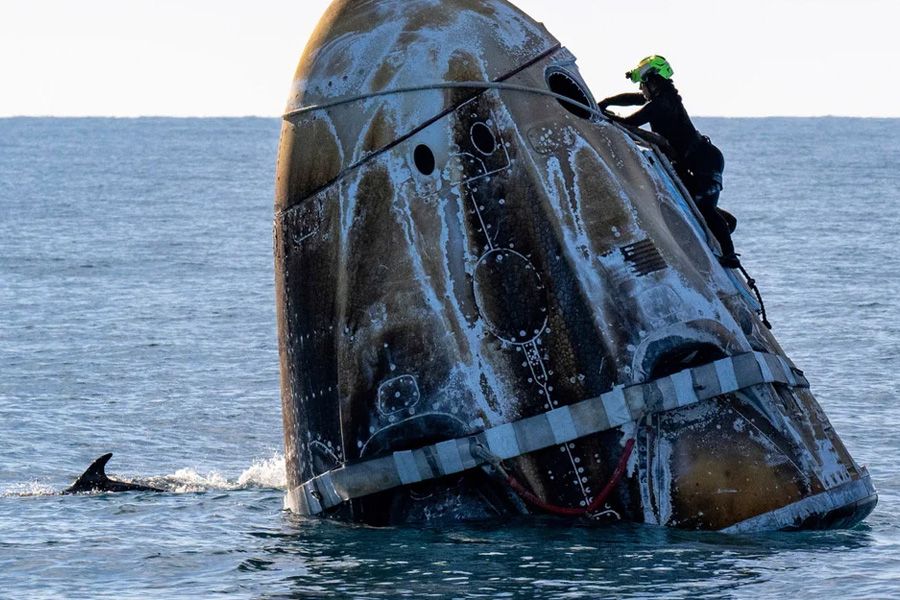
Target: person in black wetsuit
(697, 161)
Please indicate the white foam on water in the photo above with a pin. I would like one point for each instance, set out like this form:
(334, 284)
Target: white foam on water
(31, 488)
(190, 480)
(263, 473)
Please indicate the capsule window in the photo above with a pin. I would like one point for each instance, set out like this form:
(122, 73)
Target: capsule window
(564, 84)
(424, 159)
(483, 138)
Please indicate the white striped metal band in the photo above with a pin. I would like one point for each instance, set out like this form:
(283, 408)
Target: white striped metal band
(617, 407)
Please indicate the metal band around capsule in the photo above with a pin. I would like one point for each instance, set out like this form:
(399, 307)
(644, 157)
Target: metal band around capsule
(617, 407)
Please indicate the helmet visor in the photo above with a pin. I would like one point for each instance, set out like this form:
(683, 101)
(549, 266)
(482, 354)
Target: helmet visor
(638, 75)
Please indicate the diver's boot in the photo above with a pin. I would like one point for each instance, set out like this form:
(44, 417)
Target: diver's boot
(730, 219)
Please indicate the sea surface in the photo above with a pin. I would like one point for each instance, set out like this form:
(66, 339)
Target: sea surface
(137, 317)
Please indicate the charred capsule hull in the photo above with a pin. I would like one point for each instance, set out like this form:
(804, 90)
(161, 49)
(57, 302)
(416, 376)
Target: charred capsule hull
(478, 262)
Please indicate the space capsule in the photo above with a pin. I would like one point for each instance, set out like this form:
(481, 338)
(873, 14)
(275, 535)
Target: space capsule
(491, 300)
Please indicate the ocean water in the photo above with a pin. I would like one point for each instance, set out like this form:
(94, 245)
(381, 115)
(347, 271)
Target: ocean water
(137, 317)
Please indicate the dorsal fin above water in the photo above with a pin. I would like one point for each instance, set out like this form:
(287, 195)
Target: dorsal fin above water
(95, 480)
(94, 477)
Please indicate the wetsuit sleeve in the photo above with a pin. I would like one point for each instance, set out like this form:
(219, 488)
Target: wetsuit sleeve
(623, 100)
(641, 117)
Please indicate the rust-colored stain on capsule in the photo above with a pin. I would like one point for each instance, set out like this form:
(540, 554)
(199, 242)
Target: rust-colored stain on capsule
(381, 133)
(311, 143)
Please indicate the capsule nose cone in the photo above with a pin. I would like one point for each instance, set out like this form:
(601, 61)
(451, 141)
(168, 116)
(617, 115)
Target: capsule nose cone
(363, 46)
(362, 49)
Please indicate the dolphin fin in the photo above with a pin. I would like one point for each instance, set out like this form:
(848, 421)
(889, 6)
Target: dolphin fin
(97, 470)
(94, 478)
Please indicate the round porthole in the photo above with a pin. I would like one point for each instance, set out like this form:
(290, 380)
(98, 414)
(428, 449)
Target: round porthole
(563, 84)
(483, 138)
(424, 159)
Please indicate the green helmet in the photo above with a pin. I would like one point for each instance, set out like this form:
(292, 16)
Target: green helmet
(652, 64)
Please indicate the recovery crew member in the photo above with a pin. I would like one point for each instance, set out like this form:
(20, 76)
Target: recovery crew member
(697, 161)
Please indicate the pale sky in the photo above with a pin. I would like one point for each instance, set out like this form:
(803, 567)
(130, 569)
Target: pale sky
(230, 58)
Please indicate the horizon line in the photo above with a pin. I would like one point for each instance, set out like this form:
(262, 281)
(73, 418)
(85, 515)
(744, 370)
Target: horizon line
(256, 116)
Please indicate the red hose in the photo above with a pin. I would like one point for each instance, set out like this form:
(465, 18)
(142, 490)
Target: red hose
(565, 511)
